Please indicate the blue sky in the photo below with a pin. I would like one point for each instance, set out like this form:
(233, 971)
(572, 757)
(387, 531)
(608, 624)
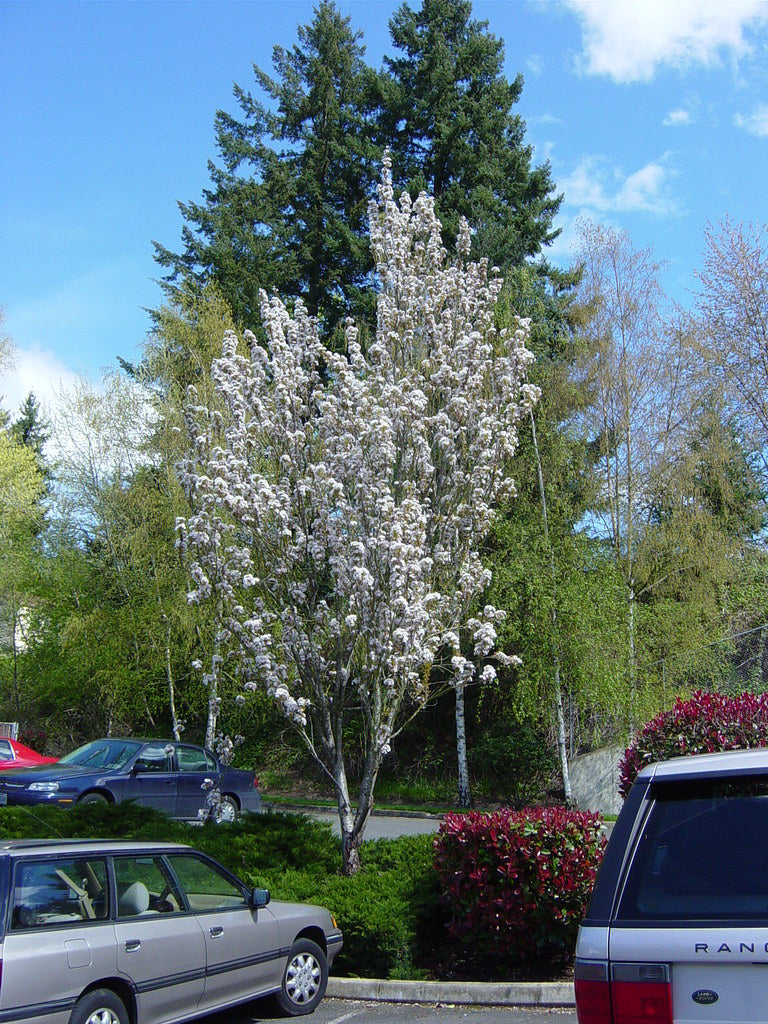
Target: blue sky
(654, 116)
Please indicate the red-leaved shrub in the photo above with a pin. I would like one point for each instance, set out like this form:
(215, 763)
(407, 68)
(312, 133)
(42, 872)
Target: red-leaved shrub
(516, 883)
(703, 724)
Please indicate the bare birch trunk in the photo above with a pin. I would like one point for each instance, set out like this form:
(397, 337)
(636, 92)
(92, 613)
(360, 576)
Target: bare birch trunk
(171, 689)
(213, 714)
(15, 657)
(465, 792)
(562, 748)
(351, 824)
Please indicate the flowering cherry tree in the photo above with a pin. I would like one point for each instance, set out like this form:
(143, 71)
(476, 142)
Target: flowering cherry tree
(340, 498)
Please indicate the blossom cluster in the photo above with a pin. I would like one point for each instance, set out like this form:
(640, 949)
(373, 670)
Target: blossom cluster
(339, 498)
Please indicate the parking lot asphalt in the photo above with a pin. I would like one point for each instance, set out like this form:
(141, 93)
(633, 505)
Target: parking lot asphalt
(345, 1011)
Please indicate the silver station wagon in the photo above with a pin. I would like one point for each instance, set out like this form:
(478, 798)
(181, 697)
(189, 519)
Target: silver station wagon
(110, 932)
(677, 929)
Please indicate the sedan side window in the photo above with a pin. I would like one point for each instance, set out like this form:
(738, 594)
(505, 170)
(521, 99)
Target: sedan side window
(155, 758)
(145, 886)
(59, 891)
(205, 885)
(191, 759)
(6, 751)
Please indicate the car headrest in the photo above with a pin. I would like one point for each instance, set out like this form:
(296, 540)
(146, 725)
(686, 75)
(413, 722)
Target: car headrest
(135, 900)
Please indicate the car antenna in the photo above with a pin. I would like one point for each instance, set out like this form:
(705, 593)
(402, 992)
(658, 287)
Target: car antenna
(46, 823)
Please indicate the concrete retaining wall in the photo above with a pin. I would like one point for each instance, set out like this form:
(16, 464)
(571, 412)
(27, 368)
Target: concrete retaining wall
(595, 780)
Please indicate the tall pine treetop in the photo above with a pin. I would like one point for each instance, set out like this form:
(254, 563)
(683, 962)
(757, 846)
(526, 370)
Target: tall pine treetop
(287, 205)
(287, 208)
(446, 109)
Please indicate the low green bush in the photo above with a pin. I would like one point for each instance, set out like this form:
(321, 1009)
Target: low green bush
(380, 910)
(264, 840)
(386, 911)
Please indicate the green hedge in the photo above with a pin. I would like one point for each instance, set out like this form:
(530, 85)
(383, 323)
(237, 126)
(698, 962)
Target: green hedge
(386, 911)
(264, 840)
(394, 916)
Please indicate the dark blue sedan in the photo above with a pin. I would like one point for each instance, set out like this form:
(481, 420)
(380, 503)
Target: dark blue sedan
(172, 777)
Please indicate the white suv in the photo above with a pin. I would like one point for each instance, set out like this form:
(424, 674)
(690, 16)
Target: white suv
(677, 929)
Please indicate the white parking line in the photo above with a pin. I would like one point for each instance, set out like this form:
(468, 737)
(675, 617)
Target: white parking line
(347, 1016)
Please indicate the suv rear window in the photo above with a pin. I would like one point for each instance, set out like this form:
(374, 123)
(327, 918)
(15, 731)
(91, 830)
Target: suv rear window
(702, 854)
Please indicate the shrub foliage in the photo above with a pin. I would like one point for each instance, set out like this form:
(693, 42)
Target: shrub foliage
(703, 724)
(510, 887)
(516, 883)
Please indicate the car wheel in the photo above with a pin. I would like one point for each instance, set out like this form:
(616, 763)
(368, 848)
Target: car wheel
(227, 811)
(304, 980)
(93, 798)
(101, 1006)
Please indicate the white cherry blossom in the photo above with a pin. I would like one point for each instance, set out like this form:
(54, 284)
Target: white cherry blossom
(340, 498)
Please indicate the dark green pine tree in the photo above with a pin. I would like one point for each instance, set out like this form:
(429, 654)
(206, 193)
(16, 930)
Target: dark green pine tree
(287, 208)
(30, 428)
(446, 110)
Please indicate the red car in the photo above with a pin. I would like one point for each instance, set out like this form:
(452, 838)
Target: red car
(15, 755)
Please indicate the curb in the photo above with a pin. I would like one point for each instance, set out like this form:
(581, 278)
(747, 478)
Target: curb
(469, 993)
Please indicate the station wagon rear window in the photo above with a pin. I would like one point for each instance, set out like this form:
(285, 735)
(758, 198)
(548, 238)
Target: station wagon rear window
(702, 854)
(59, 892)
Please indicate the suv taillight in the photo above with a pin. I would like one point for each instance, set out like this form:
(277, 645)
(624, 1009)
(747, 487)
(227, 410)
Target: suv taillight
(636, 994)
(593, 993)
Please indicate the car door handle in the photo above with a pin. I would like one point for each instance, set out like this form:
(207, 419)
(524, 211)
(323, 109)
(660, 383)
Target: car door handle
(216, 932)
(132, 945)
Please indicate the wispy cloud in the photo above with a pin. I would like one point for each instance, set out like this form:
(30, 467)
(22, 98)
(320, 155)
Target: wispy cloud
(595, 184)
(545, 119)
(534, 65)
(630, 41)
(755, 123)
(678, 117)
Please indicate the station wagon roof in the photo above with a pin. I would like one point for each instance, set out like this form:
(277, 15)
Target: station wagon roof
(729, 762)
(12, 846)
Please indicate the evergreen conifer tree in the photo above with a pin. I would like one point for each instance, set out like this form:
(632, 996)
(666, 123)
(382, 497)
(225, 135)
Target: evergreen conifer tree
(446, 111)
(31, 429)
(286, 210)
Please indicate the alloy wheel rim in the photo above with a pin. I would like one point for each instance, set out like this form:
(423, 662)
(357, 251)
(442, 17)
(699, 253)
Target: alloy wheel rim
(302, 979)
(226, 811)
(103, 1016)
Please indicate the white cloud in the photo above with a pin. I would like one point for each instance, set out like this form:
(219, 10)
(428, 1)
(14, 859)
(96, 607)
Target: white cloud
(535, 64)
(755, 123)
(545, 119)
(34, 369)
(630, 39)
(678, 117)
(598, 186)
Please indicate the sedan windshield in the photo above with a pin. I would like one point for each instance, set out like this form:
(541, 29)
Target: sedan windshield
(102, 754)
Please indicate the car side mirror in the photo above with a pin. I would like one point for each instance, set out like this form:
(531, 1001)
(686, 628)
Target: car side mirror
(259, 898)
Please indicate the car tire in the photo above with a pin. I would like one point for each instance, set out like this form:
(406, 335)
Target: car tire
(93, 798)
(101, 1006)
(304, 979)
(228, 811)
